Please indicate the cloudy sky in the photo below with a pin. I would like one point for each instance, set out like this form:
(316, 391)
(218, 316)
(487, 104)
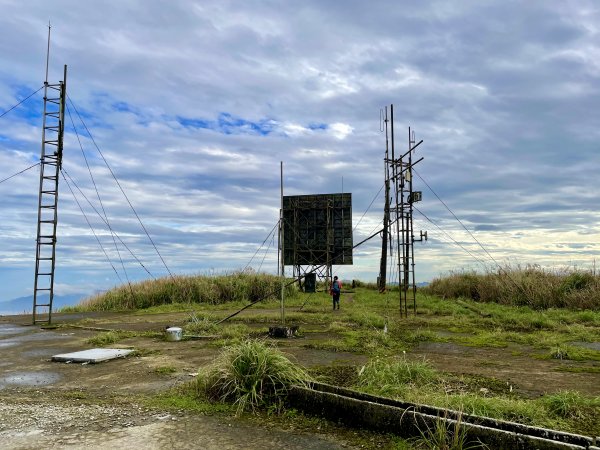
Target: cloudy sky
(194, 105)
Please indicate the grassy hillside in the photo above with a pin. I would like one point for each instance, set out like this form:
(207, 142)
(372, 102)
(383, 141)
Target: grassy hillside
(186, 290)
(530, 286)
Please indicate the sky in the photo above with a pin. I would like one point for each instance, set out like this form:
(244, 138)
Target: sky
(194, 104)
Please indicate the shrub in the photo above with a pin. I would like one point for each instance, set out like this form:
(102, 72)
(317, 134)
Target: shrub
(250, 374)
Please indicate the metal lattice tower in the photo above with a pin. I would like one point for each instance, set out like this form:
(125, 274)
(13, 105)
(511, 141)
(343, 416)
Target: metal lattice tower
(51, 161)
(400, 214)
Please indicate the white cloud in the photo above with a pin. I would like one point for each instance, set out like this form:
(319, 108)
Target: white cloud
(340, 130)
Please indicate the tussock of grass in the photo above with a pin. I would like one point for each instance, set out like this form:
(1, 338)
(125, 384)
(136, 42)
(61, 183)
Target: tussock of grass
(394, 376)
(250, 374)
(213, 290)
(530, 286)
(201, 325)
(569, 404)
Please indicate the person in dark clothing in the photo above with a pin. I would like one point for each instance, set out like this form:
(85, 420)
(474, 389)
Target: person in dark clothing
(335, 290)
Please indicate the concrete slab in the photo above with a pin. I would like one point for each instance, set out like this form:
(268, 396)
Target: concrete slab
(94, 355)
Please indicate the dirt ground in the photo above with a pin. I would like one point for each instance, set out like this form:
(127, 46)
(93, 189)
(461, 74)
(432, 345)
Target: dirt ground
(47, 404)
(57, 405)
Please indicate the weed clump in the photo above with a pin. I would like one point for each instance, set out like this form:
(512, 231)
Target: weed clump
(105, 338)
(250, 374)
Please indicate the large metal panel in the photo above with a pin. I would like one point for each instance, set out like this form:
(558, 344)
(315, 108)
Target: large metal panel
(317, 229)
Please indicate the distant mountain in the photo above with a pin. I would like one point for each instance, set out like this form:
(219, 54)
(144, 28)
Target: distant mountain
(24, 305)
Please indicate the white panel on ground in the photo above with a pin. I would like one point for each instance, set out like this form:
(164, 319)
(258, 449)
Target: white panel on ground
(94, 355)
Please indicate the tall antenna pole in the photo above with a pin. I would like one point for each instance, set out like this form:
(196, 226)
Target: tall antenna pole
(386, 213)
(282, 246)
(48, 52)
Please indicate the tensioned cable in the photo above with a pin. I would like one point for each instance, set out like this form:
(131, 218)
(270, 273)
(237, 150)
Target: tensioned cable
(120, 187)
(458, 220)
(102, 218)
(91, 228)
(100, 201)
(449, 236)
(18, 173)
(369, 207)
(25, 99)
(261, 246)
(475, 239)
(267, 251)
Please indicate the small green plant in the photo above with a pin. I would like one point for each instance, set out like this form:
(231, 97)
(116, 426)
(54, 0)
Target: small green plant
(165, 370)
(106, 338)
(447, 435)
(250, 374)
(200, 325)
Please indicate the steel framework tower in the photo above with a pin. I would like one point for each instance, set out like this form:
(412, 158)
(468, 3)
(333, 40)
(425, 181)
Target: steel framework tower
(399, 175)
(51, 161)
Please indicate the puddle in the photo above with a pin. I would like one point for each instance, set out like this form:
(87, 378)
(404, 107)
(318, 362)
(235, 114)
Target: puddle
(29, 379)
(10, 330)
(7, 343)
(41, 352)
(41, 336)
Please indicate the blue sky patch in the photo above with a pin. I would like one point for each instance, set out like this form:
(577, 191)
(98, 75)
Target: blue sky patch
(227, 123)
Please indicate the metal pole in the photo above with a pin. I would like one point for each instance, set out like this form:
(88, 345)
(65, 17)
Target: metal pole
(386, 214)
(48, 52)
(281, 227)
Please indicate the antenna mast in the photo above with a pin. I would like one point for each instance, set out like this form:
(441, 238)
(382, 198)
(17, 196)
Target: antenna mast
(51, 161)
(399, 175)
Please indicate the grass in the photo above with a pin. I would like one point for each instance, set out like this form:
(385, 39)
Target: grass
(443, 436)
(250, 375)
(186, 291)
(112, 337)
(529, 286)
(418, 382)
(394, 376)
(165, 370)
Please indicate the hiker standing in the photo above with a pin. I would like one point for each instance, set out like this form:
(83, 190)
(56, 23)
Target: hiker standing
(335, 290)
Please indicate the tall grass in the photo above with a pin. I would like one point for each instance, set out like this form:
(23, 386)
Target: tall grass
(250, 374)
(530, 286)
(214, 290)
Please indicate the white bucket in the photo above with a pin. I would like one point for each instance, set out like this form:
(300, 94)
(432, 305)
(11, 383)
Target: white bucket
(174, 334)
